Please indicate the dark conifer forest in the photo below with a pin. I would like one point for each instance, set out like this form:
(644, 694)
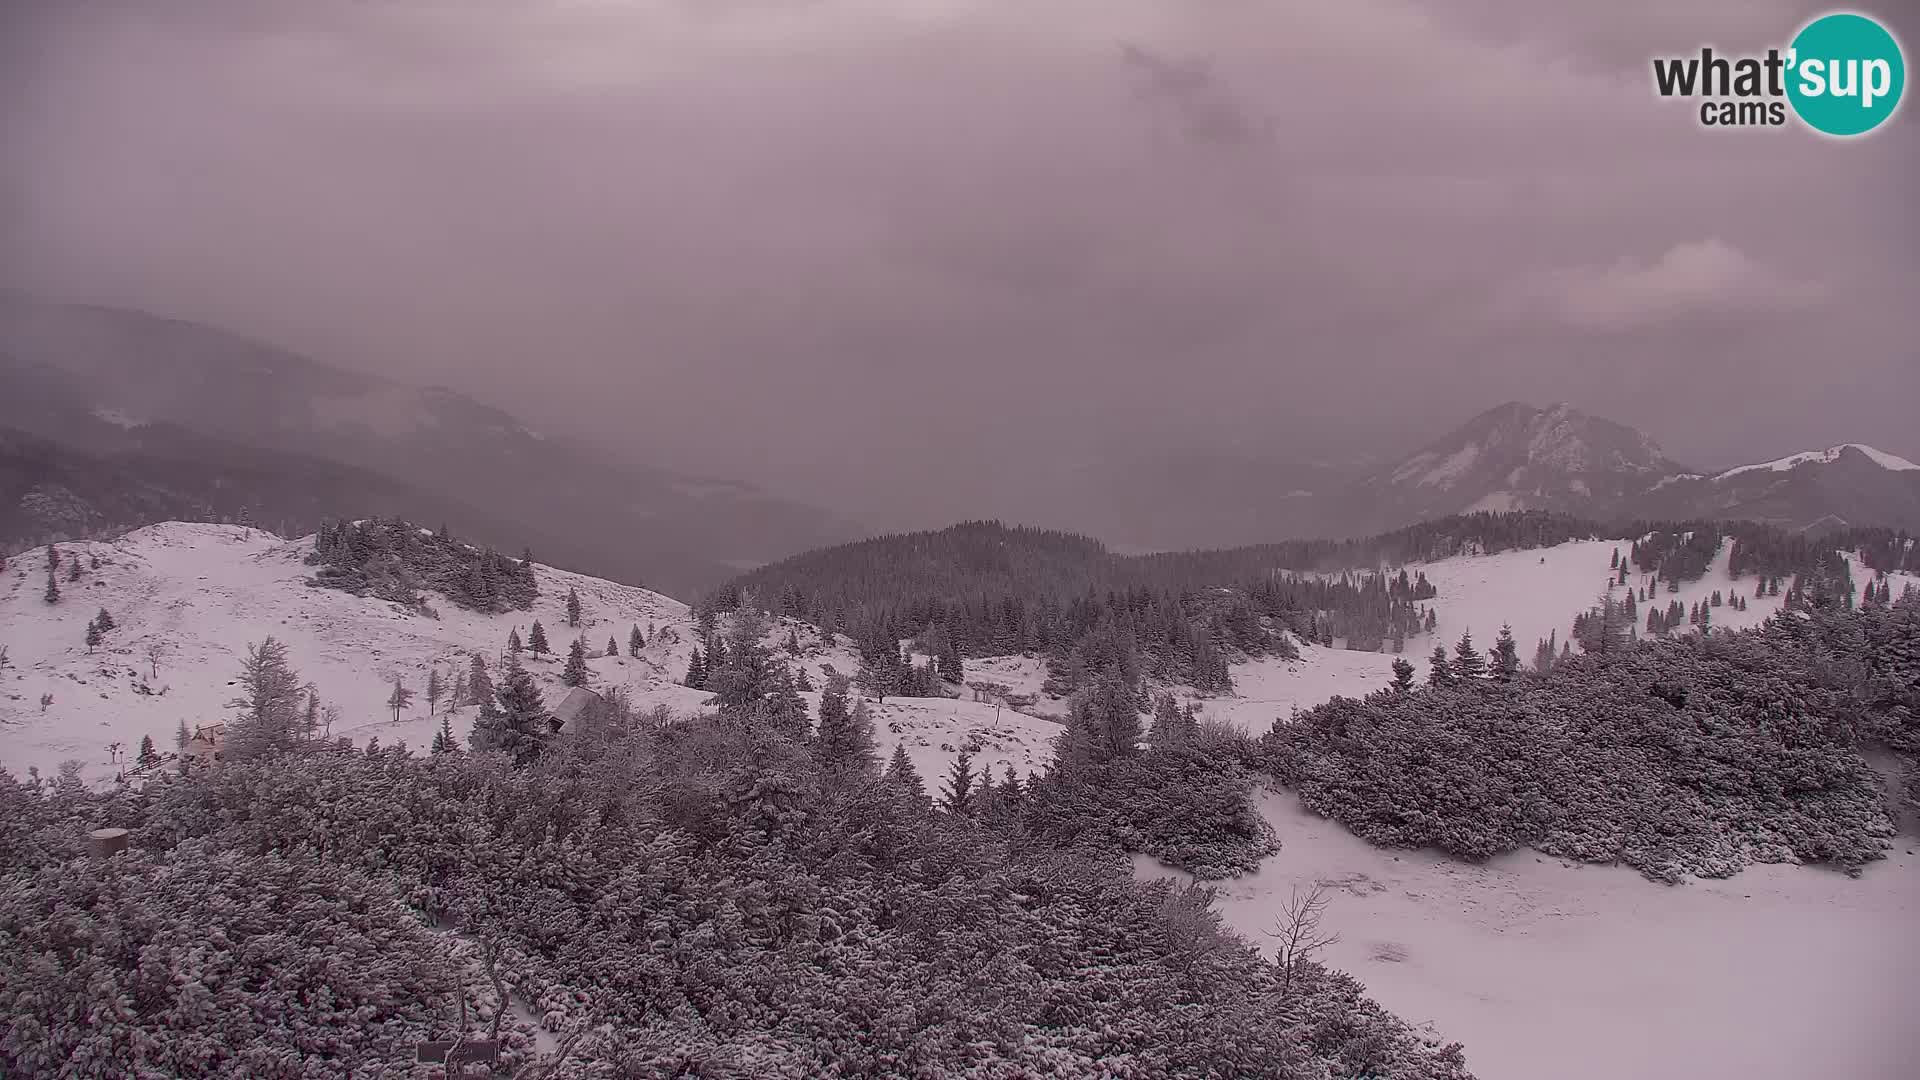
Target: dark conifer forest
(986, 589)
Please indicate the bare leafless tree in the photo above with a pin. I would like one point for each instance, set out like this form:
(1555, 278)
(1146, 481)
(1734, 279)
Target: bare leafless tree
(490, 959)
(1298, 933)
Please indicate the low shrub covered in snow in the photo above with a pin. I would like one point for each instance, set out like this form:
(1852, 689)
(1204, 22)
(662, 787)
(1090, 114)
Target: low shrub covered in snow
(1695, 755)
(1187, 808)
(700, 900)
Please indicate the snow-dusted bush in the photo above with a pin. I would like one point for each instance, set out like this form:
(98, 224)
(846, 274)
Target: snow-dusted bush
(1695, 755)
(203, 962)
(698, 900)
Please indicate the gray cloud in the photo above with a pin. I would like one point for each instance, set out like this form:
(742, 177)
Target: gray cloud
(925, 255)
(1695, 278)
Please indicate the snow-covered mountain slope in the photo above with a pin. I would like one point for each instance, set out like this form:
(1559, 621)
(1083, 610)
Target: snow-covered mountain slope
(1826, 457)
(188, 599)
(1847, 485)
(1517, 457)
(1536, 592)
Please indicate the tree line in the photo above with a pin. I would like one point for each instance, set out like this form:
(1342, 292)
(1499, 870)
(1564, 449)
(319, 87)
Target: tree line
(394, 560)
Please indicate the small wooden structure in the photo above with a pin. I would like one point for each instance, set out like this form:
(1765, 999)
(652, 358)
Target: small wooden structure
(459, 1051)
(575, 709)
(203, 748)
(102, 843)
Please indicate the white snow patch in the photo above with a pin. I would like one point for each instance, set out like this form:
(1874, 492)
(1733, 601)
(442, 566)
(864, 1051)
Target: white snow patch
(1830, 454)
(119, 418)
(1443, 474)
(1780, 973)
(204, 593)
(1537, 592)
(1675, 479)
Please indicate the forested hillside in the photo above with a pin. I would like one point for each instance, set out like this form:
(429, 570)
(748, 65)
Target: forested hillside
(1688, 755)
(985, 589)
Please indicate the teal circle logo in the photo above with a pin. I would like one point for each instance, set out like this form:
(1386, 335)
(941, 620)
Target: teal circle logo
(1845, 74)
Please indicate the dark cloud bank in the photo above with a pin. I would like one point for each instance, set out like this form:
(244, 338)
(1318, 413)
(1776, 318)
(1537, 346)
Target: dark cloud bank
(926, 259)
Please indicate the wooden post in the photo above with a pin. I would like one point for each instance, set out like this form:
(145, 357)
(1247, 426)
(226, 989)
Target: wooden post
(102, 843)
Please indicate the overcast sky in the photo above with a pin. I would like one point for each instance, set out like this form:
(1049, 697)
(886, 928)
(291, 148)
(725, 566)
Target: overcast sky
(887, 251)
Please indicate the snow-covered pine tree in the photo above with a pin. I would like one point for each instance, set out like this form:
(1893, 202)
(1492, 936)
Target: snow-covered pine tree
(1402, 683)
(1607, 629)
(1467, 661)
(952, 667)
(479, 683)
(575, 673)
(443, 740)
(1011, 790)
(269, 703)
(860, 754)
(537, 639)
(1104, 723)
(435, 689)
(1169, 724)
(105, 620)
(573, 607)
(956, 795)
(635, 642)
(786, 709)
(901, 773)
(834, 741)
(745, 674)
(1506, 656)
(519, 723)
(1439, 669)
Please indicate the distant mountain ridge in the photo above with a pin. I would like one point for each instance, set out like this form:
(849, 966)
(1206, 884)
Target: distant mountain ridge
(1514, 456)
(99, 380)
(160, 418)
(1518, 457)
